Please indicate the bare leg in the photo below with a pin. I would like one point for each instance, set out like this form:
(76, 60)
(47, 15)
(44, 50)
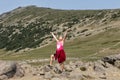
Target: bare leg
(62, 66)
(51, 59)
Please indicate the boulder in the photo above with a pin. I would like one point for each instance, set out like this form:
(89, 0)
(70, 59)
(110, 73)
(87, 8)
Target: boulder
(19, 71)
(76, 76)
(47, 68)
(117, 64)
(3, 77)
(10, 69)
(113, 59)
(57, 70)
(48, 75)
(109, 60)
(68, 68)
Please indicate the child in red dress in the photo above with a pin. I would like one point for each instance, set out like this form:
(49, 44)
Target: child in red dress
(60, 55)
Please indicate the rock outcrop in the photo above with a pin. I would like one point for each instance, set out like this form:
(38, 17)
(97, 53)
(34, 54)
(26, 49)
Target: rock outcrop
(107, 68)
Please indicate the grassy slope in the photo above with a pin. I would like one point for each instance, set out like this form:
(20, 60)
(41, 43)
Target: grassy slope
(80, 47)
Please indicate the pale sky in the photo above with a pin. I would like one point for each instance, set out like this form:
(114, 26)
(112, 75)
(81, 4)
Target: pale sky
(8, 5)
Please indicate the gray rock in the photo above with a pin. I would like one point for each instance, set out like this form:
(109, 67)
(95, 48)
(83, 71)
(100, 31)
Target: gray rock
(19, 71)
(65, 74)
(88, 77)
(10, 69)
(42, 73)
(48, 75)
(73, 64)
(117, 64)
(68, 68)
(75, 75)
(47, 68)
(3, 77)
(109, 60)
(99, 68)
(113, 60)
(57, 70)
(103, 77)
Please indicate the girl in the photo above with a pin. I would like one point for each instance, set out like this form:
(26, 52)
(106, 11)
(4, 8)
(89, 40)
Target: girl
(60, 55)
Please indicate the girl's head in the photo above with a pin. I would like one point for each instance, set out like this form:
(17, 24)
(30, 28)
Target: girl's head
(60, 38)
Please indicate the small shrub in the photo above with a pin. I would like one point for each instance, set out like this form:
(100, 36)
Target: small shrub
(83, 68)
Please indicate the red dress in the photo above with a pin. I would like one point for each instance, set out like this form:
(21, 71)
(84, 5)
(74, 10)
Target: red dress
(60, 53)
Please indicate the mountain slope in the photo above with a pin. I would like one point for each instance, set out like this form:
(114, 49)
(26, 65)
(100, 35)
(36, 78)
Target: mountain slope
(30, 27)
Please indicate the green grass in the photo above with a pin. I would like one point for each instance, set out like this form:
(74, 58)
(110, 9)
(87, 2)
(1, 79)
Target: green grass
(77, 48)
(2, 51)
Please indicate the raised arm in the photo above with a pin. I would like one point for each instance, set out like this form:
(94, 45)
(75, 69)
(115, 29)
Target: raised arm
(65, 35)
(54, 36)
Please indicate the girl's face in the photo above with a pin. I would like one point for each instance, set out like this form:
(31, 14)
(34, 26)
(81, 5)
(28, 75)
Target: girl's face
(60, 38)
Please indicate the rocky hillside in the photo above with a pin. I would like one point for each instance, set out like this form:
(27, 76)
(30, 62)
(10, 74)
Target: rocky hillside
(30, 27)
